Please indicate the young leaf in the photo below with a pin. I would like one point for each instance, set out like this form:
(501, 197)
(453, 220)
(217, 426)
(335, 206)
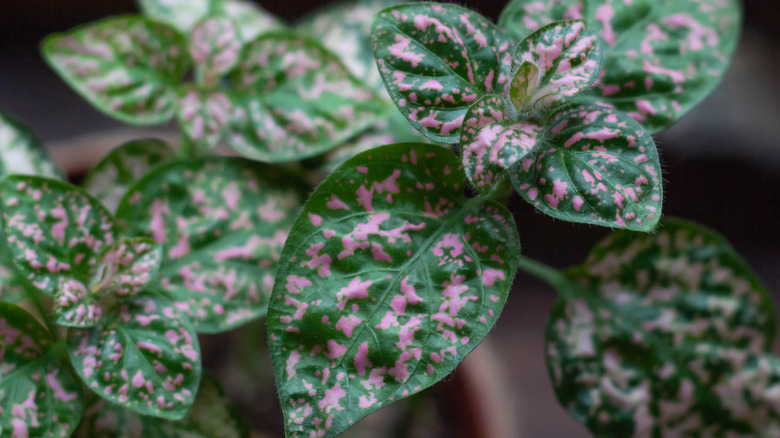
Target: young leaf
(21, 152)
(222, 223)
(110, 179)
(211, 416)
(127, 66)
(666, 335)
(129, 265)
(215, 45)
(75, 305)
(143, 355)
(390, 277)
(39, 396)
(564, 60)
(436, 60)
(492, 143)
(598, 166)
(54, 230)
(294, 99)
(204, 115)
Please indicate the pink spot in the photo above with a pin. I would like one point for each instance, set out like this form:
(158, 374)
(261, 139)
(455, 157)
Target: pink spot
(361, 359)
(490, 275)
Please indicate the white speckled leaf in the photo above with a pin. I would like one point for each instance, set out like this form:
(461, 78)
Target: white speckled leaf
(666, 335)
(75, 305)
(128, 265)
(39, 395)
(127, 66)
(252, 20)
(389, 278)
(21, 152)
(215, 46)
(212, 416)
(294, 99)
(143, 355)
(54, 230)
(204, 116)
(597, 166)
(436, 60)
(222, 223)
(110, 179)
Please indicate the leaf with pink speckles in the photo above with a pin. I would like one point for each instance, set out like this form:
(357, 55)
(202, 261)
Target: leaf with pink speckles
(564, 59)
(113, 176)
(492, 143)
(39, 395)
(144, 355)
(21, 152)
(522, 17)
(222, 223)
(666, 334)
(128, 265)
(389, 278)
(293, 99)
(75, 305)
(204, 116)
(215, 46)
(436, 60)
(54, 230)
(128, 67)
(598, 166)
(212, 416)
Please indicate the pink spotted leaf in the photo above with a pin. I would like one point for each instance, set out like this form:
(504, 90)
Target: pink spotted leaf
(666, 334)
(112, 177)
(128, 266)
(436, 60)
(127, 66)
(491, 142)
(215, 46)
(75, 305)
(212, 416)
(597, 166)
(222, 223)
(564, 59)
(294, 99)
(204, 116)
(39, 395)
(389, 278)
(54, 231)
(144, 355)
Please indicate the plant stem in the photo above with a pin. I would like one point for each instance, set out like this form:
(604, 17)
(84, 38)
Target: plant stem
(546, 273)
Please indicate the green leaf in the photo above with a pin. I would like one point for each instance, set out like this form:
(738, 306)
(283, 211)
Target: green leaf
(54, 230)
(215, 46)
(598, 166)
(212, 416)
(222, 223)
(565, 59)
(21, 152)
(110, 179)
(293, 99)
(143, 355)
(436, 60)
(75, 305)
(128, 266)
(252, 20)
(492, 143)
(127, 66)
(660, 57)
(39, 396)
(389, 278)
(666, 335)
(204, 116)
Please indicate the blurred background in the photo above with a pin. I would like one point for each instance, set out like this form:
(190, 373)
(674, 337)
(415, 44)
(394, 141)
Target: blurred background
(721, 167)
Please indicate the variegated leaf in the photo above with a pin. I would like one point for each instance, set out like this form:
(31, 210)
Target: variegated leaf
(252, 20)
(294, 99)
(143, 355)
(204, 116)
(390, 277)
(666, 335)
(128, 265)
(212, 416)
(21, 152)
(215, 46)
(127, 66)
(75, 305)
(598, 166)
(565, 59)
(222, 223)
(436, 60)
(111, 178)
(54, 230)
(491, 142)
(660, 58)
(39, 395)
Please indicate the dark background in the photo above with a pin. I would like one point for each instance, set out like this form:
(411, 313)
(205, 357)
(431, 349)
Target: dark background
(721, 167)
